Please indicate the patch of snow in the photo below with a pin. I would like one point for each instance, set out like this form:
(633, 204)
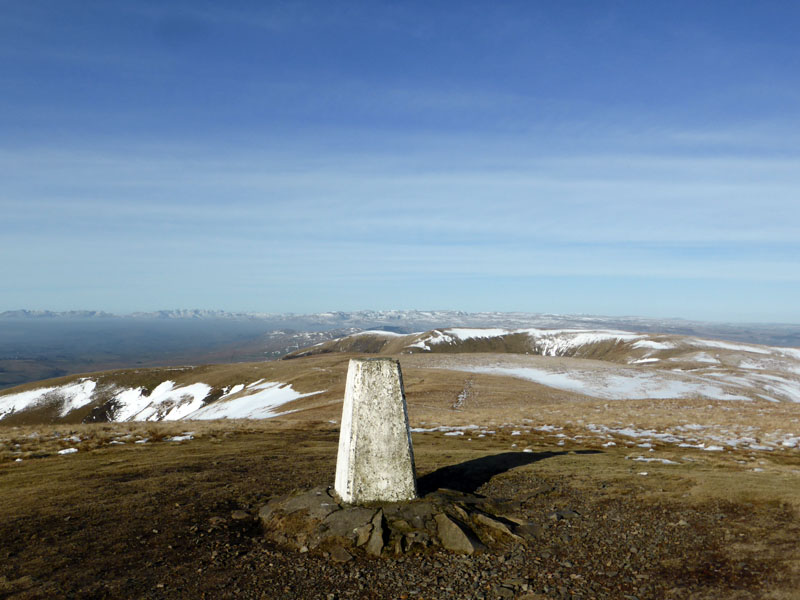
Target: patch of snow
(71, 396)
(165, 403)
(698, 357)
(653, 345)
(663, 461)
(454, 433)
(644, 360)
(232, 390)
(379, 332)
(76, 395)
(558, 342)
(420, 344)
(749, 364)
(616, 385)
(790, 352)
(730, 346)
(439, 337)
(692, 427)
(180, 438)
(461, 428)
(468, 334)
(760, 447)
(68, 451)
(261, 404)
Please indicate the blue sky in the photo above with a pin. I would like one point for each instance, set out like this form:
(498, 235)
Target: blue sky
(637, 158)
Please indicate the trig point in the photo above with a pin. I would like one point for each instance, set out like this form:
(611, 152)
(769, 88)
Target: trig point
(376, 460)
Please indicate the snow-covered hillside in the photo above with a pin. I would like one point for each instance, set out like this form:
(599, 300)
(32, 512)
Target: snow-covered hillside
(626, 365)
(600, 364)
(167, 402)
(566, 342)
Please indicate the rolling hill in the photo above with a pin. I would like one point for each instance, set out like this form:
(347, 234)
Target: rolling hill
(473, 378)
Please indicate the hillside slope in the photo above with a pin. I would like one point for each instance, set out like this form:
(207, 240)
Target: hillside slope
(572, 364)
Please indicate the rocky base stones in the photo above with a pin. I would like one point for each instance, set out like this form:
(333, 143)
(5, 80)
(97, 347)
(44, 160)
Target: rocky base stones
(317, 520)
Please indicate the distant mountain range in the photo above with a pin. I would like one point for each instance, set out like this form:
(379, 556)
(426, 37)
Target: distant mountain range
(409, 321)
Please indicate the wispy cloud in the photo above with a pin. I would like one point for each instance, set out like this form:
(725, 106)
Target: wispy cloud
(406, 144)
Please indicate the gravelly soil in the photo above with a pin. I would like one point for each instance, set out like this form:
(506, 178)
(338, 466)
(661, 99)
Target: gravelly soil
(163, 523)
(614, 550)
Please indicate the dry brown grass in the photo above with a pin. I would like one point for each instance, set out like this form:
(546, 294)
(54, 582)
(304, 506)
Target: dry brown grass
(131, 515)
(101, 505)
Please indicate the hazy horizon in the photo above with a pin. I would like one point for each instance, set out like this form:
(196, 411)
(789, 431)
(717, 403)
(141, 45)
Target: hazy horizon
(192, 312)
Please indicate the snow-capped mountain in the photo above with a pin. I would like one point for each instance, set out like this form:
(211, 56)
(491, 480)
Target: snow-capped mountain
(407, 321)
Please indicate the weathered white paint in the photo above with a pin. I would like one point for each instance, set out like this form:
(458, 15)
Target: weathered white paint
(376, 459)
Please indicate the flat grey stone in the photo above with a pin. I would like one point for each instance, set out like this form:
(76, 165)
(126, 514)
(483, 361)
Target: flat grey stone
(363, 534)
(400, 525)
(455, 537)
(416, 513)
(529, 531)
(494, 525)
(317, 503)
(345, 522)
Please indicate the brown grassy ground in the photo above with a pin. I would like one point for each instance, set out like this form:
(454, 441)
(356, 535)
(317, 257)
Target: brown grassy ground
(153, 520)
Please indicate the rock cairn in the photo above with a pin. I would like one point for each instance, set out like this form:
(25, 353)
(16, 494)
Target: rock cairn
(318, 520)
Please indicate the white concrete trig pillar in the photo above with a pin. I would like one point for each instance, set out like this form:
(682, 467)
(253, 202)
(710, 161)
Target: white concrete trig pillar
(376, 459)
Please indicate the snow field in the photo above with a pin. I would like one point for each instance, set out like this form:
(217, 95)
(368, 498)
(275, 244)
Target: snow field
(71, 396)
(167, 401)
